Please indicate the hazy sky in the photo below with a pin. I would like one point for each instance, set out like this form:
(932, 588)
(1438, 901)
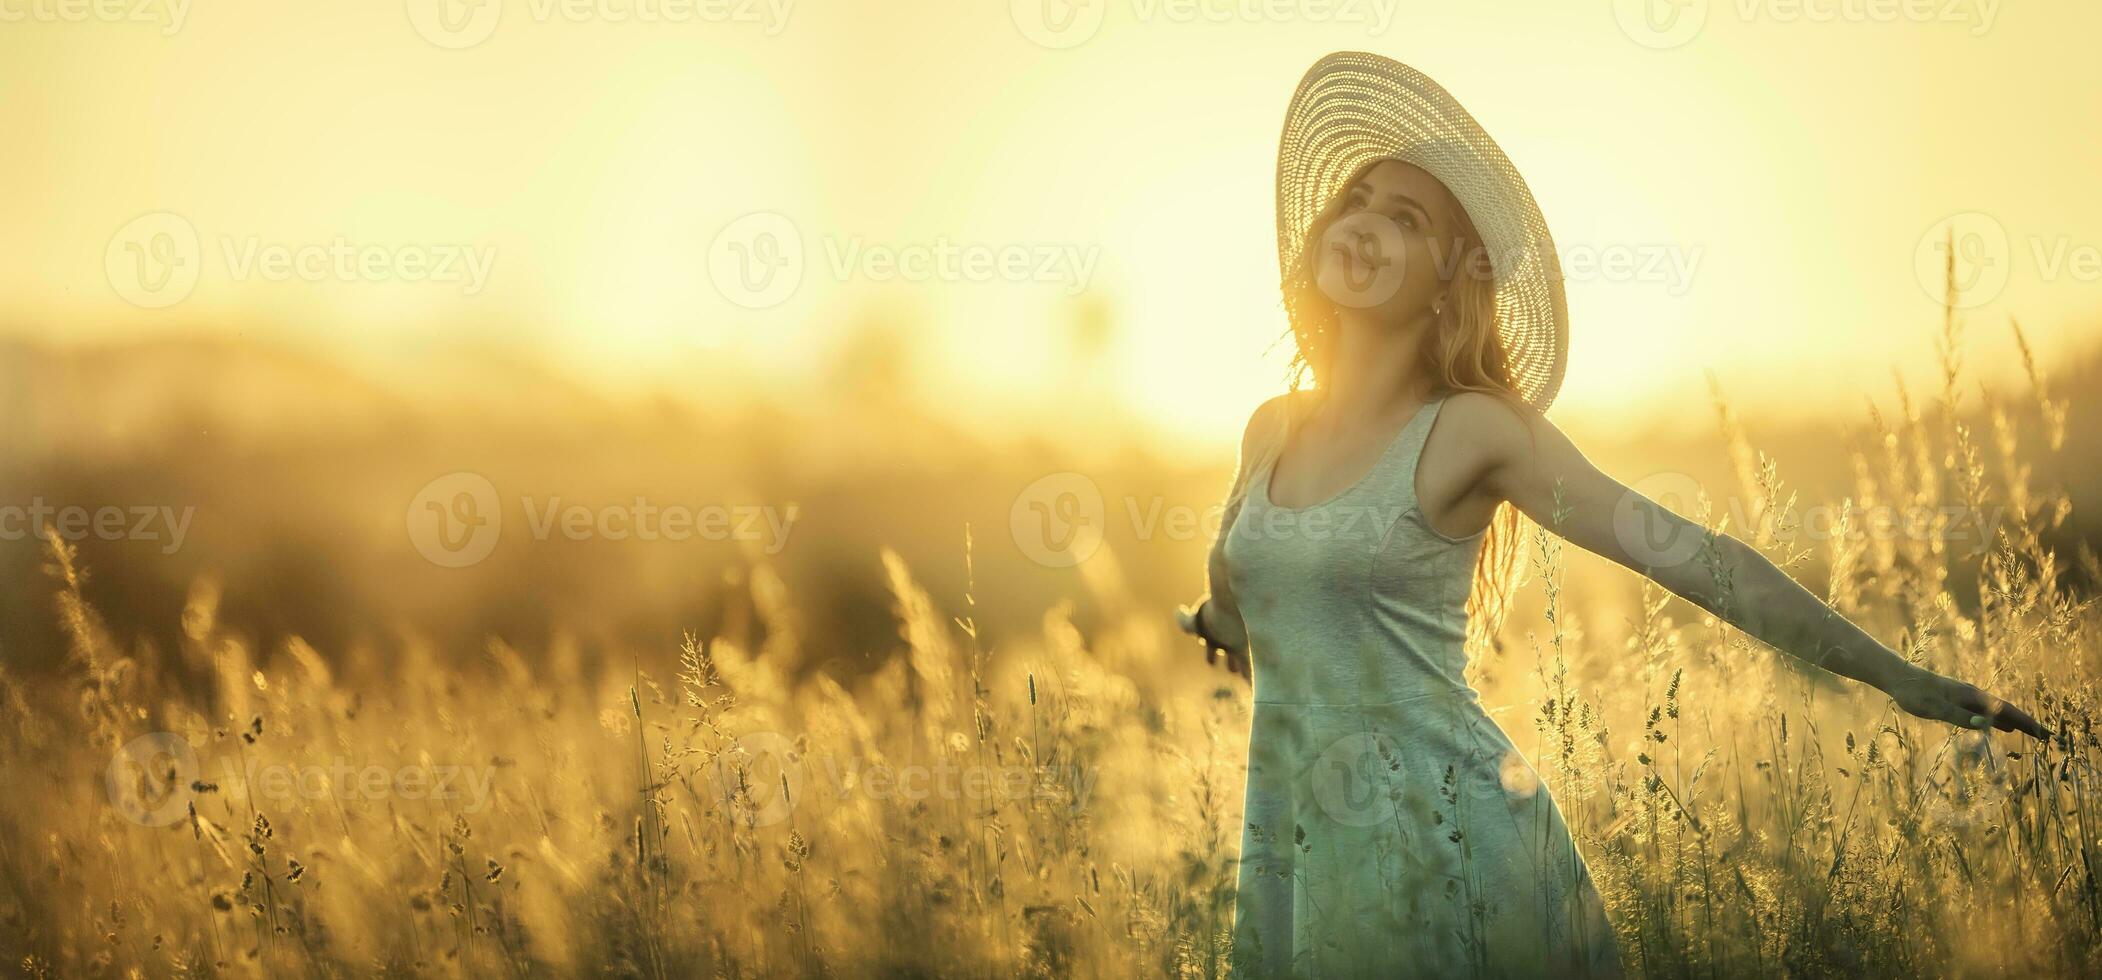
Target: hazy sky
(1752, 188)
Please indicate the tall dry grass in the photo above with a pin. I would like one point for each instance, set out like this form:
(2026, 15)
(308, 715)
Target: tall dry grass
(702, 814)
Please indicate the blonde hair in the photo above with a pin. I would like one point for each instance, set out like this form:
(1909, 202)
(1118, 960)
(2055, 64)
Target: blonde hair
(1464, 353)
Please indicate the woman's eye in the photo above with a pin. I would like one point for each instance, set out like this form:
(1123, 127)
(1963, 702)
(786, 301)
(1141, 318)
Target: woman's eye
(1403, 216)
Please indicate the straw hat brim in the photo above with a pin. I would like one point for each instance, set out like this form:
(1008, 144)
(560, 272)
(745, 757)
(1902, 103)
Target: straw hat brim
(1353, 108)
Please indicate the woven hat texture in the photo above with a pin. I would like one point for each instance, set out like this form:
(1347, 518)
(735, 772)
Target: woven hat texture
(1353, 108)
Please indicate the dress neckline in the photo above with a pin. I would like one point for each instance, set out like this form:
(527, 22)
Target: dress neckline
(1400, 435)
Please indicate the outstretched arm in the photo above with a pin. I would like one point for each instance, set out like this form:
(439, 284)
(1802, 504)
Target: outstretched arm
(1521, 457)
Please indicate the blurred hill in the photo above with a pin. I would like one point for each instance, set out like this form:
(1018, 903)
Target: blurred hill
(298, 472)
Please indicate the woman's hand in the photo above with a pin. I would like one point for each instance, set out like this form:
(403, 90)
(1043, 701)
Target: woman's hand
(1191, 622)
(1930, 695)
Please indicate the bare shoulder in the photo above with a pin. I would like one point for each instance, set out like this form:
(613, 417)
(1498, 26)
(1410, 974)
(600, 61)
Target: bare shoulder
(1505, 442)
(1492, 429)
(1268, 419)
(1513, 449)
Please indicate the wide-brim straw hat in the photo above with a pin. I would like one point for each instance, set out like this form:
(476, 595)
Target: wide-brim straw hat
(1353, 108)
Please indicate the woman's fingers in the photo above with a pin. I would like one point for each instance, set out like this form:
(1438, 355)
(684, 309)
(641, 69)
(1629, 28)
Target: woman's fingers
(2013, 719)
(1188, 620)
(1975, 703)
(1235, 663)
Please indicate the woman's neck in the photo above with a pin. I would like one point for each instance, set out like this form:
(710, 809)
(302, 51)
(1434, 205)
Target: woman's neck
(1374, 367)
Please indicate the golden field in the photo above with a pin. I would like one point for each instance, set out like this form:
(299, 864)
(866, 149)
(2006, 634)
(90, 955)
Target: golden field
(895, 739)
(651, 488)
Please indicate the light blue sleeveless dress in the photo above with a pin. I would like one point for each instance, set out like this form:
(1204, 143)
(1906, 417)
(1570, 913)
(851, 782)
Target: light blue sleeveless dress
(1391, 828)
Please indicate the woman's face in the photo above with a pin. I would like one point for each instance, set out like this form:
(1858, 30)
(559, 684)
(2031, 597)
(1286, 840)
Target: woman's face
(1393, 244)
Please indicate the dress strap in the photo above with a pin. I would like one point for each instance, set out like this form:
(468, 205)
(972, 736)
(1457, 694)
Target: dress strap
(1398, 466)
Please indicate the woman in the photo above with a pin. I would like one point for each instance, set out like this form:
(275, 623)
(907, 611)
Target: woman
(1391, 827)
